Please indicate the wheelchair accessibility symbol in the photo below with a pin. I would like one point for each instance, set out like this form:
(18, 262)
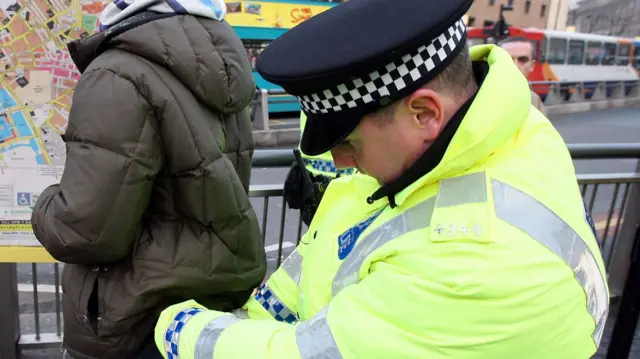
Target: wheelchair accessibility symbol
(24, 199)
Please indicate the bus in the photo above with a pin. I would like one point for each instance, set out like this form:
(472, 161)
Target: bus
(257, 23)
(573, 57)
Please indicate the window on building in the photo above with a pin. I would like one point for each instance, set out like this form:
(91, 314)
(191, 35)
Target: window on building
(472, 21)
(576, 52)
(557, 51)
(593, 53)
(543, 10)
(624, 53)
(510, 3)
(487, 23)
(527, 6)
(492, 2)
(609, 54)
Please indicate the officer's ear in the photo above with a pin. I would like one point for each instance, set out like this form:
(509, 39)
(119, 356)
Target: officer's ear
(426, 109)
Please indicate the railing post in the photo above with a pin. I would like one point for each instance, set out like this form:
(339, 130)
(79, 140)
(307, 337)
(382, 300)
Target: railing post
(9, 312)
(635, 89)
(630, 217)
(553, 97)
(264, 109)
(627, 319)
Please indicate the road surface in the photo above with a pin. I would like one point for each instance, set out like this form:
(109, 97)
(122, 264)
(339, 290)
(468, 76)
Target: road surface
(608, 126)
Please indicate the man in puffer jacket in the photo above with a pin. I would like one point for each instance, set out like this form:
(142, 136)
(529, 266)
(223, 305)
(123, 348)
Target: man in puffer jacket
(153, 205)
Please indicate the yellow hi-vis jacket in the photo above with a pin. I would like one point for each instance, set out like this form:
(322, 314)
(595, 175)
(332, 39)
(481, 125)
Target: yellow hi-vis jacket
(322, 164)
(489, 255)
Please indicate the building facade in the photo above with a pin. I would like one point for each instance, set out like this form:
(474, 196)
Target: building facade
(526, 13)
(607, 17)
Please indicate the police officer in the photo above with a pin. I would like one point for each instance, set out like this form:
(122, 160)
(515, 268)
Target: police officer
(309, 178)
(471, 242)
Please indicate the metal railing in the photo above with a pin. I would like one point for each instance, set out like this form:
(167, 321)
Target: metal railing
(554, 93)
(613, 198)
(565, 92)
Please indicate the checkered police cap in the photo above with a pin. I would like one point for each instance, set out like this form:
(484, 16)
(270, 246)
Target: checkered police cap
(359, 56)
(389, 79)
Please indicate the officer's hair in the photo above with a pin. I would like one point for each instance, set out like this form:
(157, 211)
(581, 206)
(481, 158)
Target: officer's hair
(453, 81)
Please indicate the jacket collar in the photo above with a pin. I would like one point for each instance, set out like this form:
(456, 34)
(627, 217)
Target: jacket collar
(479, 128)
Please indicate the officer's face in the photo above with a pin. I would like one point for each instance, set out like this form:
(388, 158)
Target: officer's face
(385, 148)
(522, 54)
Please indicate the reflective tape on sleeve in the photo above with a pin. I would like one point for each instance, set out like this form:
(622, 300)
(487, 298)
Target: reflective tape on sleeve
(172, 334)
(293, 266)
(314, 338)
(206, 343)
(540, 223)
(270, 301)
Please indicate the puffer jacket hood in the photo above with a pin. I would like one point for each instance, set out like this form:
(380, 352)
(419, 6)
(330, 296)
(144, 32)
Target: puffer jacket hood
(153, 206)
(204, 54)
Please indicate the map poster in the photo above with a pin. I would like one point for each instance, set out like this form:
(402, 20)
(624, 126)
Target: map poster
(37, 80)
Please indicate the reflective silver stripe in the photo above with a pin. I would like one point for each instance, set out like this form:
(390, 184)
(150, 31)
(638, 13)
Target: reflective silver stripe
(415, 218)
(471, 188)
(532, 217)
(512, 206)
(314, 338)
(293, 266)
(452, 191)
(206, 343)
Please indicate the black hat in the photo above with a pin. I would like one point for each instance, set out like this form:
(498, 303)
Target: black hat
(359, 56)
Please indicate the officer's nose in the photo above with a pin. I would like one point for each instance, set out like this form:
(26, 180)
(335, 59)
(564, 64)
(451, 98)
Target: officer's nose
(343, 158)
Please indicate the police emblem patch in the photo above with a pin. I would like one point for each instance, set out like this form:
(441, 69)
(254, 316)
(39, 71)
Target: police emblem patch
(347, 240)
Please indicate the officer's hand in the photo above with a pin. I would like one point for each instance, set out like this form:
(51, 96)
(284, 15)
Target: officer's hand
(165, 320)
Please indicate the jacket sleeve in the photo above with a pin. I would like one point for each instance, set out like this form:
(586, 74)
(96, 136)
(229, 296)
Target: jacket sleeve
(279, 296)
(378, 317)
(113, 154)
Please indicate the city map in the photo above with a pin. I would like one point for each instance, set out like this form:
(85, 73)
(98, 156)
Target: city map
(37, 80)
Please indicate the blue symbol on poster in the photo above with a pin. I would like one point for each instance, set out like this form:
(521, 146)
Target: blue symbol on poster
(24, 199)
(347, 240)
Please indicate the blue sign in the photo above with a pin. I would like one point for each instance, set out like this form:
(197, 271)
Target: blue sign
(24, 199)
(347, 240)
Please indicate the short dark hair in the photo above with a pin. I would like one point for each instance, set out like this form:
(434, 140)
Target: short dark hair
(453, 80)
(514, 39)
(518, 39)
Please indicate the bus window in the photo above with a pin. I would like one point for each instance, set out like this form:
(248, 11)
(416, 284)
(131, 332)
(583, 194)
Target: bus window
(609, 54)
(636, 56)
(576, 52)
(557, 51)
(593, 53)
(543, 51)
(624, 52)
(254, 48)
